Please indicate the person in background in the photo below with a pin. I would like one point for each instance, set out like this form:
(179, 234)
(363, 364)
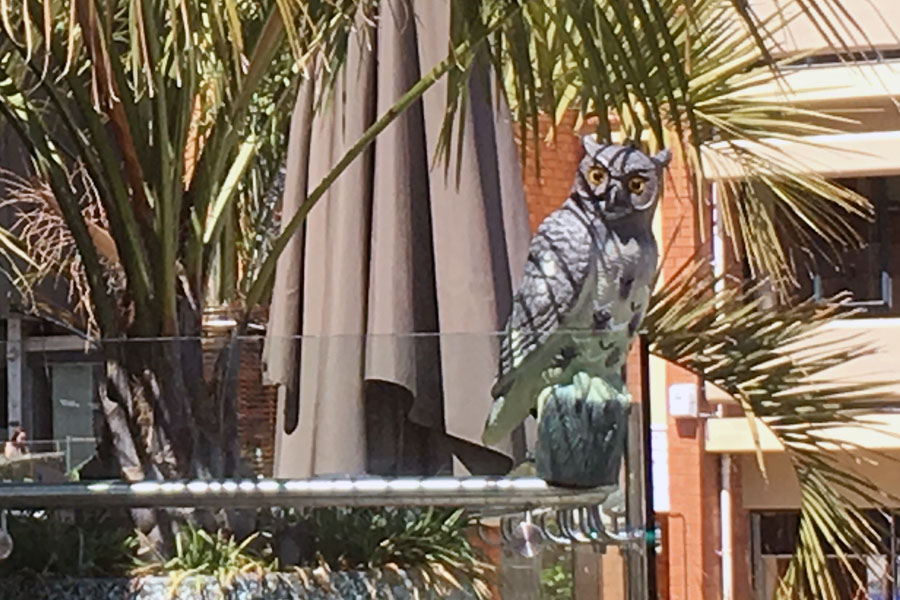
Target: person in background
(16, 444)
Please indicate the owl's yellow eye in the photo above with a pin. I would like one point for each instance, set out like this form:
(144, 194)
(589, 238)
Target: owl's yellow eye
(597, 175)
(636, 185)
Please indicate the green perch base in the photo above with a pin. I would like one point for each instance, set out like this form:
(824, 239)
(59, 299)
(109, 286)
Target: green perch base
(582, 433)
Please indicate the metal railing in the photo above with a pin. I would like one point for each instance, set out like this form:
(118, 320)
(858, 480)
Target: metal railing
(531, 513)
(494, 493)
(74, 451)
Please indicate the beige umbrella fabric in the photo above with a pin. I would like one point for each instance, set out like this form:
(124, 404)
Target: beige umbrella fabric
(397, 249)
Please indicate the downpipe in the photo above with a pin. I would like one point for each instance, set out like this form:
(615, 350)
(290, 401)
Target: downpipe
(727, 543)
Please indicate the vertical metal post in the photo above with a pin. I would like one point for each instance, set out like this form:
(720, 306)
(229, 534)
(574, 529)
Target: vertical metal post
(520, 576)
(14, 360)
(636, 507)
(68, 454)
(588, 580)
(758, 575)
(650, 514)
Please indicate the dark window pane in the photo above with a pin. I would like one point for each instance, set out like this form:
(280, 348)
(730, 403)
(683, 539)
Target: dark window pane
(868, 272)
(778, 532)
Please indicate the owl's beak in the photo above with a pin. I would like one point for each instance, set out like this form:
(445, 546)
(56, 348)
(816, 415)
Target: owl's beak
(617, 199)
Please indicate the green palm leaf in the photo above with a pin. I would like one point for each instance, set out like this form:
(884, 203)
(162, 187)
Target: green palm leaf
(769, 360)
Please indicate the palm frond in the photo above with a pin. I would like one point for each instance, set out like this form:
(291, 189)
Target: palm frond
(770, 360)
(179, 84)
(50, 247)
(767, 196)
(669, 66)
(153, 101)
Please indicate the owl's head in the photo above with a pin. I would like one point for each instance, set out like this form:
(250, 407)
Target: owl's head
(619, 181)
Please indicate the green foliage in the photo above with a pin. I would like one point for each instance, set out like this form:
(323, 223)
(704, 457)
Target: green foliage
(155, 133)
(767, 357)
(78, 544)
(183, 131)
(198, 552)
(432, 542)
(557, 580)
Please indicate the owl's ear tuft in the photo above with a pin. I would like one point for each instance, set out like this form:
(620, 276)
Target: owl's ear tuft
(592, 145)
(663, 158)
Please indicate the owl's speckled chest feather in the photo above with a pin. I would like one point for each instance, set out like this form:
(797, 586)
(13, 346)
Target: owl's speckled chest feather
(613, 302)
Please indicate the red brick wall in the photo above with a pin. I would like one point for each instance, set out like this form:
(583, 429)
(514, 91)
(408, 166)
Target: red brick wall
(740, 526)
(257, 405)
(547, 189)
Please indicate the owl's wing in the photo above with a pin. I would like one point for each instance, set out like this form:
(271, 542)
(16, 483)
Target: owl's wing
(560, 261)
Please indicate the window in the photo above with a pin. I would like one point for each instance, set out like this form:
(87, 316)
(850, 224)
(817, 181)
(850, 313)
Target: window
(774, 535)
(869, 273)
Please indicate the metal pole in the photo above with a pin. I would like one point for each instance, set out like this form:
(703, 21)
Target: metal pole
(496, 494)
(14, 361)
(650, 516)
(635, 508)
(759, 576)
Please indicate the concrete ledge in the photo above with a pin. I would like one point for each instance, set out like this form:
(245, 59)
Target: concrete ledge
(838, 155)
(734, 436)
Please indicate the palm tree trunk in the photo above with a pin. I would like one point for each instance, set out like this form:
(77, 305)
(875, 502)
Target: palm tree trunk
(172, 419)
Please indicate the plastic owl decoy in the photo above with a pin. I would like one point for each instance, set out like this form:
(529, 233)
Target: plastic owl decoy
(575, 314)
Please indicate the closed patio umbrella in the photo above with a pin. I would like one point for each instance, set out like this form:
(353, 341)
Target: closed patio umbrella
(399, 248)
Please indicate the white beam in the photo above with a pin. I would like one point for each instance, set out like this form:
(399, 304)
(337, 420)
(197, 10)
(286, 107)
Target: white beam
(726, 515)
(832, 85)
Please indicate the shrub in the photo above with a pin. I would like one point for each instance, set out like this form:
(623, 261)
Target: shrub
(432, 542)
(69, 543)
(431, 545)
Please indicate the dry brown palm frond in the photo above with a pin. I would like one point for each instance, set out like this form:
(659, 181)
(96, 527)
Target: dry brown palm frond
(49, 243)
